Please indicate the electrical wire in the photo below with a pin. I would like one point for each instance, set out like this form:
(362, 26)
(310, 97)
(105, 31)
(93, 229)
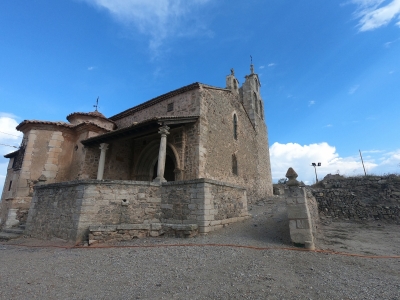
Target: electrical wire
(9, 145)
(11, 134)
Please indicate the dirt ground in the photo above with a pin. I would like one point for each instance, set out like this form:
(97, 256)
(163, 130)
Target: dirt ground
(253, 259)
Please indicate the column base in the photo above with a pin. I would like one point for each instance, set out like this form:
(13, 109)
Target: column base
(159, 179)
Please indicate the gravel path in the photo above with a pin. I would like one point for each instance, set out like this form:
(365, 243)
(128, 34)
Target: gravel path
(201, 272)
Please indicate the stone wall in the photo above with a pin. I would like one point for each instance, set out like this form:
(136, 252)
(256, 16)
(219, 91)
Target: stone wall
(66, 210)
(184, 104)
(208, 203)
(359, 198)
(218, 144)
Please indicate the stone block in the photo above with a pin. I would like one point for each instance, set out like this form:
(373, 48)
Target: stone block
(297, 212)
(205, 218)
(203, 229)
(156, 226)
(141, 196)
(300, 236)
(133, 227)
(154, 233)
(154, 200)
(303, 224)
(300, 200)
(292, 225)
(193, 206)
(217, 222)
(217, 227)
(105, 228)
(167, 206)
(55, 143)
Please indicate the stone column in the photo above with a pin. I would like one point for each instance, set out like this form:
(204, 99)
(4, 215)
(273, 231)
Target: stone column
(162, 154)
(100, 170)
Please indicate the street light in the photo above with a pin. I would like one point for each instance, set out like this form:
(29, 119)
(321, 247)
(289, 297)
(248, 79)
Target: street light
(315, 168)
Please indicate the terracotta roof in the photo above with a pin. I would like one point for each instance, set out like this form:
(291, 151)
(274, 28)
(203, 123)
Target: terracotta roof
(12, 154)
(141, 128)
(91, 114)
(156, 100)
(61, 124)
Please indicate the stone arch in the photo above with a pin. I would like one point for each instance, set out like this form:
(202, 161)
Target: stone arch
(148, 158)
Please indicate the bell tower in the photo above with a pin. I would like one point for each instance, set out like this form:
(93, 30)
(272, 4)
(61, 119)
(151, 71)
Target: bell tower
(232, 83)
(251, 97)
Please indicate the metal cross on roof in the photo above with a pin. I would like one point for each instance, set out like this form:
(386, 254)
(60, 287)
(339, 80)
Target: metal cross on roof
(97, 103)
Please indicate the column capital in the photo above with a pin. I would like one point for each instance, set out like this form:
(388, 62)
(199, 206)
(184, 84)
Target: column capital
(103, 146)
(163, 130)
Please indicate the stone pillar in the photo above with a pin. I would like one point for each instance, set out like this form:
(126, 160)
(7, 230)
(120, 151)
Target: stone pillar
(162, 154)
(100, 170)
(302, 212)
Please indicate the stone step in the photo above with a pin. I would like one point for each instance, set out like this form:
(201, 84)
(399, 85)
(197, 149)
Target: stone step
(8, 236)
(13, 230)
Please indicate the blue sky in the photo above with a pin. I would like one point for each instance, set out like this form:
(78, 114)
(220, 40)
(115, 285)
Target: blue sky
(330, 70)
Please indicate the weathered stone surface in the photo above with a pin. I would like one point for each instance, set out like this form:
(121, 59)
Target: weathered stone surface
(359, 198)
(303, 216)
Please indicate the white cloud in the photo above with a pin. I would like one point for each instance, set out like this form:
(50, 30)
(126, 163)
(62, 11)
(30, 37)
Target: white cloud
(373, 14)
(311, 103)
(158, 18)
(262, 67)
(271, 64)
(284, 156)
(91, 68)
(9, 136)
(353, 89)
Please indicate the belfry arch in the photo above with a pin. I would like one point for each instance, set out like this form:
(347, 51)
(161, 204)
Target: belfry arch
(146, 167)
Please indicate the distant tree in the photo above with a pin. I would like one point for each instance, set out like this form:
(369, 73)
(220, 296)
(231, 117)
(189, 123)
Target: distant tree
(282, 180)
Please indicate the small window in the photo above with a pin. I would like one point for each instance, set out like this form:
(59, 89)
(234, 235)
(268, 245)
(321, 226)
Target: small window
(9, 187)
(234, 165)
(261, 111)
(255, 103)
(235, 133)
(170, 106)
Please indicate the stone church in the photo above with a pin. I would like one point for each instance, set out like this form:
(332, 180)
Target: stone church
(184, 162)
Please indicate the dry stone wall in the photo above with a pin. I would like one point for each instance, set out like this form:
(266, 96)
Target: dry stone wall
(359, 198)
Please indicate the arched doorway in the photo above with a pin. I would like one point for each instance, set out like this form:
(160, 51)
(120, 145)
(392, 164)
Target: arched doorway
(169, 173)
(146, 166)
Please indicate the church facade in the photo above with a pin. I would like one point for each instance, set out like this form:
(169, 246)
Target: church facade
(193, 156)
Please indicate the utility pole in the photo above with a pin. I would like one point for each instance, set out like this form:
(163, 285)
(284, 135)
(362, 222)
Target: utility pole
(362, 162)
(315, 169)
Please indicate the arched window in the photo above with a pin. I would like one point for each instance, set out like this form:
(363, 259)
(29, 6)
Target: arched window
(234, 165)
(255, 103)
(235, 84)
(235, 132)
(261, 111)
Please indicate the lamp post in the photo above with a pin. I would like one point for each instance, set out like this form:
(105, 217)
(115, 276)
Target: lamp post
(315, 169)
